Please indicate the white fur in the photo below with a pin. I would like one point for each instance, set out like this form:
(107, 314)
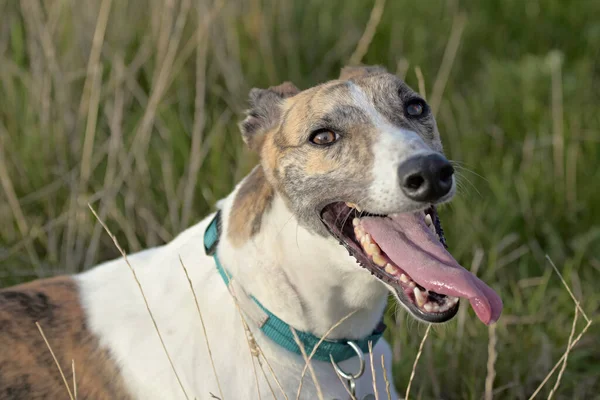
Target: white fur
(308, 281)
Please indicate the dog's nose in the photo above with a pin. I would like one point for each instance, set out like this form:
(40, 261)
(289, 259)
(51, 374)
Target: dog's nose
(426, 178)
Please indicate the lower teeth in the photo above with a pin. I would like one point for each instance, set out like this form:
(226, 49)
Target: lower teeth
(421, 296)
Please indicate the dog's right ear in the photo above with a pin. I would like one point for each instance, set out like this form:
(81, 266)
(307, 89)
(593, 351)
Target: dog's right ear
(264, 112)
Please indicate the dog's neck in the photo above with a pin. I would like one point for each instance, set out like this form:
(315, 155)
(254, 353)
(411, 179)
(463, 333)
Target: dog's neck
(307, 280)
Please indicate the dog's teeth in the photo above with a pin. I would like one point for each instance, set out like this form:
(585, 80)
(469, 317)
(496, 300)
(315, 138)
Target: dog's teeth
(428, 307)
(435, 307)
(412, 284)
(352, 205)
(356, 221)
(359, 232)
(390, 269)
(404, 278)
(420, 297)
(379, 260)
(428, 220)
(372, 249)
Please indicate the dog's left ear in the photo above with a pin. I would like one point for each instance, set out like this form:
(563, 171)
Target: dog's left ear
(361, 71)
(264, 112)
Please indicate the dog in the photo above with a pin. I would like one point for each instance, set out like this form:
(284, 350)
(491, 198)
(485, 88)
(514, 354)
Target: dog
(339, 213)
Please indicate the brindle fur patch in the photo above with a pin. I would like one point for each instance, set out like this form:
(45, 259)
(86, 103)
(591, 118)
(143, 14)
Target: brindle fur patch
(306, 175)
(251, 201)
(27, 370)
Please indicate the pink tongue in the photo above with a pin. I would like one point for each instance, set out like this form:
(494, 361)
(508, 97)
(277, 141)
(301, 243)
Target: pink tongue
(410, 244)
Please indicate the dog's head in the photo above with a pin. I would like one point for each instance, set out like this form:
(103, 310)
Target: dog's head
(360, 159)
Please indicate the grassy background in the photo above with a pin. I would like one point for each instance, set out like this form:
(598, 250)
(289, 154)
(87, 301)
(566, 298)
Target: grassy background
(132, 106)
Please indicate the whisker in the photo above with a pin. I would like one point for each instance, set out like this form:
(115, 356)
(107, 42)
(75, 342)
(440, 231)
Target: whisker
(461, 168)
(461, 178)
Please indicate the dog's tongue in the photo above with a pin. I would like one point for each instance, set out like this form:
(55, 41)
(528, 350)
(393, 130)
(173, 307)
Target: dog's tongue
(411, 245)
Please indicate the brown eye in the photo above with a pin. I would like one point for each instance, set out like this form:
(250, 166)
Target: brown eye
(415, 108)
(324, 137)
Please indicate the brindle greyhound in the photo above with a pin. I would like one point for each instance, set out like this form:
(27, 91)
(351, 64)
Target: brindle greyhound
(340, 212)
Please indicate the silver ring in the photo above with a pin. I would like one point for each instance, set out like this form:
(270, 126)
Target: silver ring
(361, 359)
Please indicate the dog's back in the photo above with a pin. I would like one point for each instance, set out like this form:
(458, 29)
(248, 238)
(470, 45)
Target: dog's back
(27, 368)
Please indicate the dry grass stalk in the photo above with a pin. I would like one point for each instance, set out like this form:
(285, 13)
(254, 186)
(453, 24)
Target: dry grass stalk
(491, 363)
(571, 176)
(373, 371)
(564, 364)
(568, 290)
(252, 345)
(212, 361)
(272, 372)
(255, 349)
(94, 59)
(32, 10)
(574, 341)
(365, 41)
(402, 66)
(159, 87)
(385, 378)
(310, 368)
(266, 379)
(114, 146)
(421, 82)
(74, 379)
(558, 139)
(116, 242)
(414, 368)
(458, 26)
(15, 207)
(90, 129)
(62, 375)
(253, 357)
(86, 161)
(352, 397)
(196, 157)
(312, 353)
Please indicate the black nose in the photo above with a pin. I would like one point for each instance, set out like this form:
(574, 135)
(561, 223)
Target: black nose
(426, 178)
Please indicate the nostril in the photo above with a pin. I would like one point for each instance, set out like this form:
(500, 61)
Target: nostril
(426, 178)
(414, 181)
(446, 173)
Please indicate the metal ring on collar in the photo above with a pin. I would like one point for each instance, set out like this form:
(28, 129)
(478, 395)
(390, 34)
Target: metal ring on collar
(361, 368)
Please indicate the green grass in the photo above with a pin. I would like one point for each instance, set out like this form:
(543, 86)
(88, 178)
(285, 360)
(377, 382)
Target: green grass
(152, 143)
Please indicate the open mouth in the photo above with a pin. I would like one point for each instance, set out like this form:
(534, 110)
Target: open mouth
(408, 253)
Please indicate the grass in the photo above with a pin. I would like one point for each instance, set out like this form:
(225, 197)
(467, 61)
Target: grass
(132, 107)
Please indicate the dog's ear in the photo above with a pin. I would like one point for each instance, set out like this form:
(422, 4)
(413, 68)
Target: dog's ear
(360, 71)
(264, 112)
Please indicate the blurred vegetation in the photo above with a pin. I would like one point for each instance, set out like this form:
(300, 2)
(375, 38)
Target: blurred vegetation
(132, 106)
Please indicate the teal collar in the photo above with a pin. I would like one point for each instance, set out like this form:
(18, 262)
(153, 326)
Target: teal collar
(279, 331)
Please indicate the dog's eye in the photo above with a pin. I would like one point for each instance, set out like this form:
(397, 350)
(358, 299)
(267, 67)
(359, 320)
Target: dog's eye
(415, 108)
(324, 137)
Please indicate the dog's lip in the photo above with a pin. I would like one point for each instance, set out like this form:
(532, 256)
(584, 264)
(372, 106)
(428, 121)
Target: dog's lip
(433, 317)
(392, 282)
